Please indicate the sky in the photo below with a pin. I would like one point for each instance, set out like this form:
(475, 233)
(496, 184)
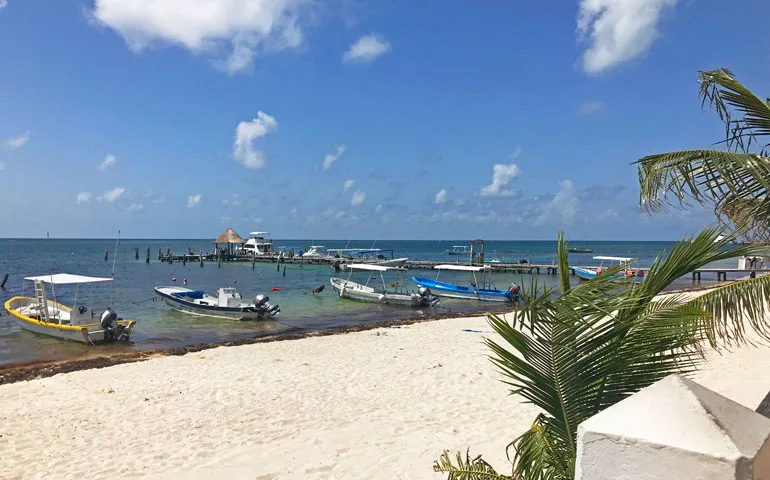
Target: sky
(357, 119)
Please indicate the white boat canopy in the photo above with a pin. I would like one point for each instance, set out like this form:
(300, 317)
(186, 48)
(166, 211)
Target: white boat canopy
(462, 268)
(373, 268)
(67, 279)
(617, 259)
(259, 234)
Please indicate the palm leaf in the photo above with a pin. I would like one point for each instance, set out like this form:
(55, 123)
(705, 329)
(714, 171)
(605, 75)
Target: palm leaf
(467, 468)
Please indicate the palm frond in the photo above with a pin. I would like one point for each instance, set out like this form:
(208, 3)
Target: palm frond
(539, 454)
(724, 93)
(467, 468)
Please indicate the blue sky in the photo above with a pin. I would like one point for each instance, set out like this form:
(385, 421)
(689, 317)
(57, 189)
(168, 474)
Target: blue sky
(380, 119)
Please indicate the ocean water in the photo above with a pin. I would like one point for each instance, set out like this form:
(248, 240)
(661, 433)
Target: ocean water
(160, 327)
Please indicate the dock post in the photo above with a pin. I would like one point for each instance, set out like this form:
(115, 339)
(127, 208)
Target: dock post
(253, 261)
(5, 279)
(147, 260)
(170, 257)
(160, 255)
(201, 258)
(136, 253)
(753, 274)
(106, 255)
(184, 259)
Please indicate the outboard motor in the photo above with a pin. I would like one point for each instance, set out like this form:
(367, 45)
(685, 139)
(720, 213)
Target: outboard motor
(426, 296)
(113, 331)
(515, 292)
(264, 307)
(336, 266)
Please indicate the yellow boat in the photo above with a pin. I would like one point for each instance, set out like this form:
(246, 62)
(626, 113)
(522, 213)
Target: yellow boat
(40, 315)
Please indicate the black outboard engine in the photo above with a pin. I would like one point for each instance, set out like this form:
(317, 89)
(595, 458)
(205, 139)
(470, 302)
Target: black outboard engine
(113, 331)
(426, 296)
(264, 307)
(336, 266)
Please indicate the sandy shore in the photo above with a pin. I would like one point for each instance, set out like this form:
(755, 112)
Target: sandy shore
(379, 404)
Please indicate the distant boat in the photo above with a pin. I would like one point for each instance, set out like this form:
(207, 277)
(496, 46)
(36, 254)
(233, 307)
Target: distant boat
(579, 250)
(43, 315)
(369, 256)
(258, 244)
(396, 295)
(316, 251)
(493, 261)
(626, 262)
(458, 250)
(226, 304)
(475, 290)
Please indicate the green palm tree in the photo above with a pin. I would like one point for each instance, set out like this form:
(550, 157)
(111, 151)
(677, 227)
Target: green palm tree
(575, 351)
(735, 180)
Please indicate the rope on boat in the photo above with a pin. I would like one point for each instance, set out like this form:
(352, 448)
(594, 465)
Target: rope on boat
(153, 298)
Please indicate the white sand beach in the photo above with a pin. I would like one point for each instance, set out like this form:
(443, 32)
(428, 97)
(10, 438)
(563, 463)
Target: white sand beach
(378, 404)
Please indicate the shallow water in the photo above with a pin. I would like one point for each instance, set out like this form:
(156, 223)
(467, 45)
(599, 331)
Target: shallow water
(160, 327)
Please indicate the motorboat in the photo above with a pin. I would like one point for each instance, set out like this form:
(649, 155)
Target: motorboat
(258, 244)
(579, 250)
(585, 273)
(397, 294)
(482, 290)
(316, 251)
(227, 303)
(458, 250)
(43, 314)
(370, 256)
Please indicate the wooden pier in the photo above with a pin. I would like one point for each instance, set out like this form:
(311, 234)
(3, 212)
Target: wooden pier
(522, 268)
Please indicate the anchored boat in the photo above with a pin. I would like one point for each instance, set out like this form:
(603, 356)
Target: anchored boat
(626, 262)
(475, 290)
(226, 304)
(396, 295)
(44, 315)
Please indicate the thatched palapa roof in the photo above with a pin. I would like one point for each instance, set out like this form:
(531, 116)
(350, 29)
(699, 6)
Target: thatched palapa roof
(229, 236)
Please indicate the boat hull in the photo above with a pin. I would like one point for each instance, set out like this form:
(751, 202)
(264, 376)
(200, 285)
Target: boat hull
(88, 334)
(236, 313)
(588, 274)
(356, 291)
(450, 290)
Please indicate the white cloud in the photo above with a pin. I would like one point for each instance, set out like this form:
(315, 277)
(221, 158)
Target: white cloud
(18, 142)
(246, 133)
(348, 185)
(358, 198)
(233, 200)
(590, 108)
(562, 208)
(441, 196)
(135, 207)
(3, 4)
(330, 158)
(618, 30)
(113, 194)
(83, 197)
(108, 161)
(194, 200)
(235, 29)
(367, 49)
(501, 176)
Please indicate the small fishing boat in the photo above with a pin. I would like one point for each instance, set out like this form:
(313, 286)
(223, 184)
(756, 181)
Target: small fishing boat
(370, 256)
(226, 304)
(579, 250)
(396, 295)
(316, 251)
(475, 290)
(458, 250)
(46, 316)
(628, 272)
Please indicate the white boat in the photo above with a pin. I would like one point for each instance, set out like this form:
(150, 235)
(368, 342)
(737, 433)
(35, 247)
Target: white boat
(458, 250)
(482, 290)
(369, 256)
(396, 295)
(258, 244)
(626, 262)
(44, 315)
(316, 251)
(226, 304)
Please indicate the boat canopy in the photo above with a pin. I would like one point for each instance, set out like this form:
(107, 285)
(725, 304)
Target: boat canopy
(289, 248)
(66, 279)
(316, 246)
(462, 268)
(617, 259)
(459, 246)
(258, 234)
(195, 294)
(373, 268)
(367, 250)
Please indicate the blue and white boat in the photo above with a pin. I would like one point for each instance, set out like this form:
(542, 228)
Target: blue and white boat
(627, 262)
(475, 289)
(226, 304)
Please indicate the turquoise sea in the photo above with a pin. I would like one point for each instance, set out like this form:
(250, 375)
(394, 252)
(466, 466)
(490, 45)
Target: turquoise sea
(160, 327)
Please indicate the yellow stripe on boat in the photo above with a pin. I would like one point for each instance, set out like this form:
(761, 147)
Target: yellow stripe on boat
(59, 326)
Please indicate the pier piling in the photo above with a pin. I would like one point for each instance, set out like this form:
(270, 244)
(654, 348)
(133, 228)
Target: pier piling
(147, 260)
(106, 255)
(5, 279)
(136, 253)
